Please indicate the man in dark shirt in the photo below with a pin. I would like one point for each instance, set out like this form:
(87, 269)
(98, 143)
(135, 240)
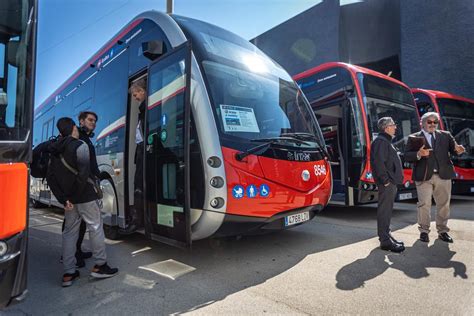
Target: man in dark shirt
(388, 172)
(136, 212)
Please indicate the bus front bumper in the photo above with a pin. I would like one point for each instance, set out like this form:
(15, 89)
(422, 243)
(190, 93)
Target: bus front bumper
(463, 187)
(235, 225)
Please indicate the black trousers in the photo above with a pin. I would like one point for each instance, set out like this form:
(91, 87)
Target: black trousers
(387, 196)
(138, 207)
(82, 232)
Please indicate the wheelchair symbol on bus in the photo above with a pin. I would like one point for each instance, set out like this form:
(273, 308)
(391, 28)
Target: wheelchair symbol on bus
(264, 190)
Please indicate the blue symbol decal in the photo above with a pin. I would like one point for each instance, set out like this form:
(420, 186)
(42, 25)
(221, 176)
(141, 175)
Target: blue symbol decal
(252, 191)
(264, 190)
(164, 119)
(238, 191)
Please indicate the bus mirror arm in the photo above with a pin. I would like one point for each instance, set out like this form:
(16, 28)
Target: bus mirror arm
(349, 89)
(330, 152)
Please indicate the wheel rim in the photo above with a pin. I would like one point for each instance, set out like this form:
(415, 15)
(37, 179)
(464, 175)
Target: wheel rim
(109, 200)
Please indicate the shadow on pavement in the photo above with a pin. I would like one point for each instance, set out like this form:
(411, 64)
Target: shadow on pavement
(413, 262)
(223, 266)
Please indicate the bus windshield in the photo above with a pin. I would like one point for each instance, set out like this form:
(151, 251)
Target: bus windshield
(253, 98)
(458, 118)
(14, 108)
(385, 98)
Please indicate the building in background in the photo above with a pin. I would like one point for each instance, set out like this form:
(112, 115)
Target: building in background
(426, 44)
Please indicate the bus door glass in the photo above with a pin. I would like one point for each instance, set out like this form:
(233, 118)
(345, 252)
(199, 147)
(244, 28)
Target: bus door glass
(166, 174)
(330, 118)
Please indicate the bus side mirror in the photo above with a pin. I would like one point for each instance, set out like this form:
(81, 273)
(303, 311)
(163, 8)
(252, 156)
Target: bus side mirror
(152, 49)
(12, 49)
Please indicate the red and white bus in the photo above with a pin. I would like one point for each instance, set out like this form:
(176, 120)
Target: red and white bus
(17, 75)
(231, 145)
(457, 117)
(348, 100)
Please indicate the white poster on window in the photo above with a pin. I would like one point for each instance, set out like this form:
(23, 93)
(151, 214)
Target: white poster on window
(238, 119)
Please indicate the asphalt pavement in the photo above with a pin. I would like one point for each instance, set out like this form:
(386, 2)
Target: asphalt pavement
(331, 265)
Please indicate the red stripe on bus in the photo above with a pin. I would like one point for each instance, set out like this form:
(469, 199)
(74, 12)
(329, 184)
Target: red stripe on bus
(111, 131)
(167, 98)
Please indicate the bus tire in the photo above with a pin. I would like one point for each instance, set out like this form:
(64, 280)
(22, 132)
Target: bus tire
(111, 232)
(37, 204)
(110, 205)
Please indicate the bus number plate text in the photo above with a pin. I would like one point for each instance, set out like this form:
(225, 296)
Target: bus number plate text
(296, 218)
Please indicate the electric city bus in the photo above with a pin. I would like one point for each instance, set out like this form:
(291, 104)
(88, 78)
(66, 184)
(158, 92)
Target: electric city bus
(231, 145)
(17, 74)
(348, 100)
(457, 117)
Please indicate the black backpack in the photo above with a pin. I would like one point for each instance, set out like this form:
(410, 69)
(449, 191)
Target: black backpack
(41, 159)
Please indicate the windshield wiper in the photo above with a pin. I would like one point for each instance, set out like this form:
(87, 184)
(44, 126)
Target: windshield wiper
(267, 143)
(308, 136)
(302, 136)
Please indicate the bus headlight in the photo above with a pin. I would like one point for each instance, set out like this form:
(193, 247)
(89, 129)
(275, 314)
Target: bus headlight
(305, 175)
(3, 248)
(217, 182)
(217, 202)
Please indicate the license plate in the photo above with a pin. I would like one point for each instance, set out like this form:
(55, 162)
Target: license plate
(405, 196)
(472, 189)
(296, 218)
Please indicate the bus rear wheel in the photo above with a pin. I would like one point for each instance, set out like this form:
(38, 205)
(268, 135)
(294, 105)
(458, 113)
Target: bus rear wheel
(37, 204)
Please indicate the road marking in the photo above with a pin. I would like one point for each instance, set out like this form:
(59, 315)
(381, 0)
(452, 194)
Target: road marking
(140, 250)
(169, 268)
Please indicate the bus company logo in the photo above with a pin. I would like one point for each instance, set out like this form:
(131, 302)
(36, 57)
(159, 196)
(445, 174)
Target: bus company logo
(298, 156)
(102, 60)
(319, 170)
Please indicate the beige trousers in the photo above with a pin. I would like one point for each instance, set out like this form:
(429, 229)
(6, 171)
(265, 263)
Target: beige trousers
(440, 190)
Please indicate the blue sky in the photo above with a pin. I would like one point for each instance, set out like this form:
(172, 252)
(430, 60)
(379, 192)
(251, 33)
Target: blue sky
(71, 31)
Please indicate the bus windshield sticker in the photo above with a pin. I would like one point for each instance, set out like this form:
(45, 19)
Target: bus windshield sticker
(165, 214)
(239, 119)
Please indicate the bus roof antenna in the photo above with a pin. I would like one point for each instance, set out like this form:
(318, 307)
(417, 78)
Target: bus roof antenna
(169, 6)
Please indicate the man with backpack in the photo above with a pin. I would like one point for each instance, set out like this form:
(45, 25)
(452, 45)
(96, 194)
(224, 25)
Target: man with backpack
(87, 123)
(71, 181)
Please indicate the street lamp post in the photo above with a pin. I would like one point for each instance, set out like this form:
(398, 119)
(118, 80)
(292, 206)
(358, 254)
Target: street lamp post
(169, 6)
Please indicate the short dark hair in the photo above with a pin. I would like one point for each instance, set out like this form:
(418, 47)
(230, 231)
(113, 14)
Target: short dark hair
(83, 115)
(65, 126)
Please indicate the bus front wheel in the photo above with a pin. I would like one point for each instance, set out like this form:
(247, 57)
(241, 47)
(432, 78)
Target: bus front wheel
(109, 206)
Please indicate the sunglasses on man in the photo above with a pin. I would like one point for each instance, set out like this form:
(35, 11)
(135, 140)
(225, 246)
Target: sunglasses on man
(432, 122)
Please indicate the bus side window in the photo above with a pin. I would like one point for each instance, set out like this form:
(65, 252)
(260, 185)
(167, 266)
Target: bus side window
(44, 134)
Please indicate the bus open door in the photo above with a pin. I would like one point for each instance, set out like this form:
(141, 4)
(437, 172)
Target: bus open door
(167, 137)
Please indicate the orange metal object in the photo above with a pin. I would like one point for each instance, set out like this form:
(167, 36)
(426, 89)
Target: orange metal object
(13, 199)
